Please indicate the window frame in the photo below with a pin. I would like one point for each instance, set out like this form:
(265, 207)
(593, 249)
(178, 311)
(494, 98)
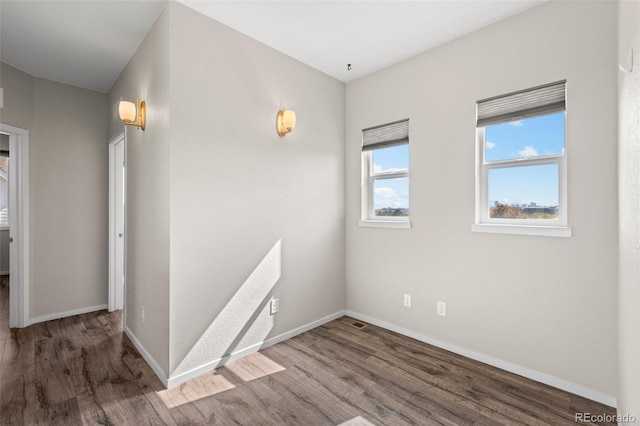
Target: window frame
(545, 227)
(369, 178)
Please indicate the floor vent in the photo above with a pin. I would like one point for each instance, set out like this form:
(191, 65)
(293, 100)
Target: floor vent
(357, 325)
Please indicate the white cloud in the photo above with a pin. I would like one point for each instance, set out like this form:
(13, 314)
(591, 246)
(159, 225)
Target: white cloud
(377, 168)
(389, 197)
(517, 123)
(385, 192)
(489, 145)
(528, 151)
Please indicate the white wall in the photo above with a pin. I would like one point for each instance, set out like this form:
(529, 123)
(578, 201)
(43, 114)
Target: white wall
(221, 212)
(67, 133)
(147, 190)
(629, 208)
(69, 179)
(545, 304)
(252, 214)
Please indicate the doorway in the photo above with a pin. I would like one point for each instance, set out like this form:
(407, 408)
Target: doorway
(19, 284)
(117, 200)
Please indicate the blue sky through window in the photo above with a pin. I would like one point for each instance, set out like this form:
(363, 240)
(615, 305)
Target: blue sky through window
(391, 159)
(524, 185)
(530, 138)
(394, 192)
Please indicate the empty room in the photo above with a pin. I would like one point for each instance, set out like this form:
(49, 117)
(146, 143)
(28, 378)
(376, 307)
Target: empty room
(320, 212)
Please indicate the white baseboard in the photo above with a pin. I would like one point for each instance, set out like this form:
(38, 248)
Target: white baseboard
(65, 314)
(212, 365)
(147, 356)
(495, 362)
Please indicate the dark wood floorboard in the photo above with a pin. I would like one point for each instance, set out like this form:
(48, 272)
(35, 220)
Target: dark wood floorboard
(83, 370)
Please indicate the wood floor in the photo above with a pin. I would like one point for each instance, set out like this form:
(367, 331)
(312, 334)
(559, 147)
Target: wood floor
(83, 370)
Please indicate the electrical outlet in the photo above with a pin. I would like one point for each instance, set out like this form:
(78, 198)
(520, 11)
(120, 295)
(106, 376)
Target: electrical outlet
(407, 300)
(442, 309)
(274, 306)
(142, 312)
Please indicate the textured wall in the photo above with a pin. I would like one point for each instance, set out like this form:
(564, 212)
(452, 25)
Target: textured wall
(629, 193)
(240, 193)
(67, 139)
(147, 189)
(543, 303)
(70, 214)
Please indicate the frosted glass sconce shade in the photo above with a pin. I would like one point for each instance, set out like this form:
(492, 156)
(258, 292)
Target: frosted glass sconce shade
(285, 121)
(133, 114)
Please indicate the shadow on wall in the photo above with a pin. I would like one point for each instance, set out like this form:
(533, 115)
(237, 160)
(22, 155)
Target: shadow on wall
(244, 321)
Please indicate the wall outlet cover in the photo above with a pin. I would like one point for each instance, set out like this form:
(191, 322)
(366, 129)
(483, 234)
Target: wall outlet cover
(407, 300)
(274, 306)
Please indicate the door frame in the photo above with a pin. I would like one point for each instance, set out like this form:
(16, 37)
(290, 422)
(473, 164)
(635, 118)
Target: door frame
(20, 278)
(116, 294)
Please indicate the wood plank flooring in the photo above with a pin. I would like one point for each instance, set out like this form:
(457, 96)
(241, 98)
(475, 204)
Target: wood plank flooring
(83, 370)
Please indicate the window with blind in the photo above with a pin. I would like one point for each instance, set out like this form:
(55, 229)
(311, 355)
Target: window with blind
(385, 166)
(521, 170)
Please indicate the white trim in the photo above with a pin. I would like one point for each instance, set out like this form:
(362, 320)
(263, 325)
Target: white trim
(546, 231)
(495, 362)
(4, 272)
(404, 224)
(147, 356)
(115, 302)
(20, 282)
(367, 182)
(482, 190)
(212, 365)
(65, 314)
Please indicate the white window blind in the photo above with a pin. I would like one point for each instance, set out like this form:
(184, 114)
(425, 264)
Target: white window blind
(527, 103)
(386, 135)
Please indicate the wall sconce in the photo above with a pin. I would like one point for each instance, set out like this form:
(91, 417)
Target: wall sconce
(285, 122)
(129, 111)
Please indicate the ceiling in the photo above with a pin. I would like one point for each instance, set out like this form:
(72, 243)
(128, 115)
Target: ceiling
(88, 43)
(84, 43)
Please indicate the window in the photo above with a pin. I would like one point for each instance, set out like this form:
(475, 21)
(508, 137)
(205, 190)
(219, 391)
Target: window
(385, 183)
(521, 170)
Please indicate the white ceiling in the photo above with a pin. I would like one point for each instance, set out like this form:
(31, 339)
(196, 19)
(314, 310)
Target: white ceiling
(88, 43)
(84, 43)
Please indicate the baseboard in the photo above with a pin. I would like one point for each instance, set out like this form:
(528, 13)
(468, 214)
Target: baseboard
(495, 362)
(212, 365)
(147, 356)
(65, 314)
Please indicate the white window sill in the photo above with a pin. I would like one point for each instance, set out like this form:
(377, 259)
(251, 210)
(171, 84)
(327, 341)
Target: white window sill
(399, 224)
(4, 227)
(545, 231)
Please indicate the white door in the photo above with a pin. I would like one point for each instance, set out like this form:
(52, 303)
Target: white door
(117, 198)
(19, 287)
